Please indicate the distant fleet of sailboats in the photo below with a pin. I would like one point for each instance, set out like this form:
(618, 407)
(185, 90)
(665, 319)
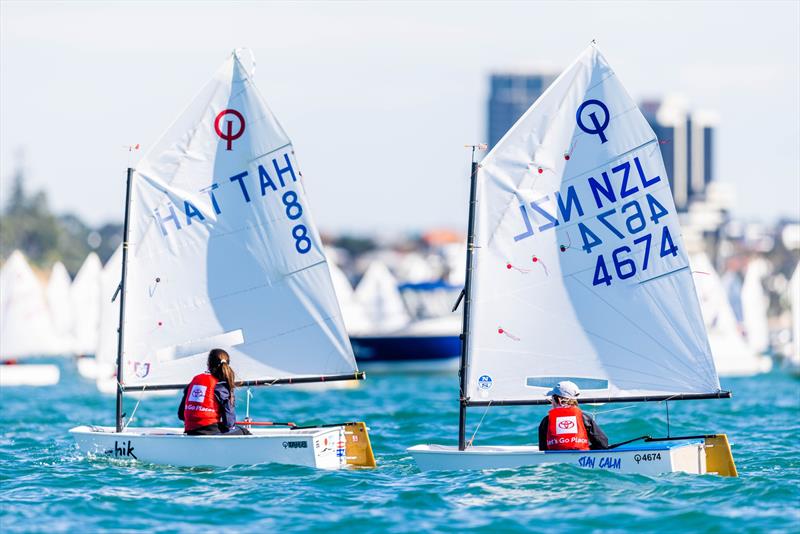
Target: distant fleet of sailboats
(60, 317)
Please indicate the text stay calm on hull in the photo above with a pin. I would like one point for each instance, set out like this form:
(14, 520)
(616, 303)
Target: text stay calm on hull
(576, 272)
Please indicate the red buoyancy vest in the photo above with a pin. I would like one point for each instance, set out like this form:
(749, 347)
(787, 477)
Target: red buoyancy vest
(201, 408)
(566, 431)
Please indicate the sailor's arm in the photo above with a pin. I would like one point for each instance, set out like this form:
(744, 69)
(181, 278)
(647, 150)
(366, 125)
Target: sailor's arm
(227, 414)
(182, 405)
(543, 434)
(597, 438)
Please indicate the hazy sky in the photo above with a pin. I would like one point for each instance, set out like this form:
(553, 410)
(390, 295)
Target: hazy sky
(379, 99)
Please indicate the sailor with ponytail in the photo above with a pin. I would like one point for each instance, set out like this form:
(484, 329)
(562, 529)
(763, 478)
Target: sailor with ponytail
(208, 403)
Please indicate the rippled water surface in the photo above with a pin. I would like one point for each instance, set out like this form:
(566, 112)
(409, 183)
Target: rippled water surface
(46, 485)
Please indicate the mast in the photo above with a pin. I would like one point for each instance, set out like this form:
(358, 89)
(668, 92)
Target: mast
(462, 370)
(121, 329)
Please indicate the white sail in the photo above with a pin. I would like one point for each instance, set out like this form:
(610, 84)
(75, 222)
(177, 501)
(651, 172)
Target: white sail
(223, 250)
(26, 327)
(415, 267)
(379, 297)
(755, 304)
(85, 297)
(794, 305)
(580, 272)
(58, 300)
(732, 355)
(353, 313)
(106, 353)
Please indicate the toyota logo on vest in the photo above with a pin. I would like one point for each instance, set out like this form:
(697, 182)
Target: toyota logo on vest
(566, 424)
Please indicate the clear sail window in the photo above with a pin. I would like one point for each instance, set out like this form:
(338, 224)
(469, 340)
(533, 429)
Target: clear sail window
(549, 381)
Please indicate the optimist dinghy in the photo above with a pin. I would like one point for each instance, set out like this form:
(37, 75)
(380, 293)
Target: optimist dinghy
(576, 271)
(220, 251)
(26, 327)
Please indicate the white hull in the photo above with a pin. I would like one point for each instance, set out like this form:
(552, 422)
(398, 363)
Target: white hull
(87, 367)
(320, 447)
(646, 459)
(28, 374)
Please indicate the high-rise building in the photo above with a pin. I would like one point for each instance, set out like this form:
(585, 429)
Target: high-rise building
(686, 139)
(686, 142)
(510, 95)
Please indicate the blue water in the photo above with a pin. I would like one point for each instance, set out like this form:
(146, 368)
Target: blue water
(47, 485)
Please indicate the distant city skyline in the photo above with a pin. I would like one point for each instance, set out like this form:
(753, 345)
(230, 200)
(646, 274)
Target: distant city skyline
(378, 113)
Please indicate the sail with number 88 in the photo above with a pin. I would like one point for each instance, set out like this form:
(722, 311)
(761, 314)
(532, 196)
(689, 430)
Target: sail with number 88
(220, 250)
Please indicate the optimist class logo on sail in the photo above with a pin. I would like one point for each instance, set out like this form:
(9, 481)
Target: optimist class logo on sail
(618, 211)
(228, 135)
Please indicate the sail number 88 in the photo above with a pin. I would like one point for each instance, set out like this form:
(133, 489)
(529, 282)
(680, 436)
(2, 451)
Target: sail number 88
(302, 243)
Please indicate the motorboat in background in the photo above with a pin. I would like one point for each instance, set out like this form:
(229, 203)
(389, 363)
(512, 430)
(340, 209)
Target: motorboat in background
(408, 327)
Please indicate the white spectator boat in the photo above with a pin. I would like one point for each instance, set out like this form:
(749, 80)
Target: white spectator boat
(220, 250)
(576, 271)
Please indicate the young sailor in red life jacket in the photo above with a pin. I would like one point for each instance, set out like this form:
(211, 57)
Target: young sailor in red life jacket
(566, 427)
(208, 403)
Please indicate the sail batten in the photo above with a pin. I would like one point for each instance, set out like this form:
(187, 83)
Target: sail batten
(224, 252)
(579, 269)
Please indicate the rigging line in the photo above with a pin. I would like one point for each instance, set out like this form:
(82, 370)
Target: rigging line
(138, 402)
(633, 323)
(595, 413)
(469, 443)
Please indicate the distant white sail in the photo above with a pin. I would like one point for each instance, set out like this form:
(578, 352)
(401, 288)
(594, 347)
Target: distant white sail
(85, 297)
(417, 268)
(26, 327)
(732, 355)
(580, 272)
(793, 358)
(223, 250)
(106, 353)
(755, 305)
(58, 300)
(355, 319)
(379, 297)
